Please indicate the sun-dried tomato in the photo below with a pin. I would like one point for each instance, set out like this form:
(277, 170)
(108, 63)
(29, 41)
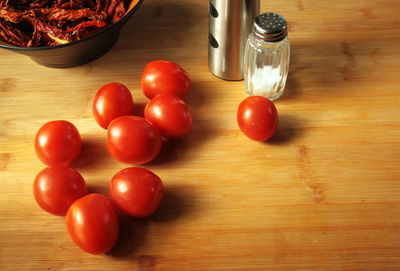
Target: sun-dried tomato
(119, 12)
(90, 4)
(12, 35)
(58, 14)
(37, 38)
(35, 23)
(52, 31)
(81, 26)
(86, 28)
(39, 3)
(12, 16)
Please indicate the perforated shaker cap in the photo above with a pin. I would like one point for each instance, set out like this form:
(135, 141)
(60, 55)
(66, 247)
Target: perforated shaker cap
(270, 27)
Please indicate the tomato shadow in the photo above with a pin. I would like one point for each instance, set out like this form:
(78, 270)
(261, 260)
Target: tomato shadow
(186, 147)
(288, 129)
(177, 202)
(99, 187)
(93, 153)
(197, 97)
(132, 234)
(169, 152)
(138, 109)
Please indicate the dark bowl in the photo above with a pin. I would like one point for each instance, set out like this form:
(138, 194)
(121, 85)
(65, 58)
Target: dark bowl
(77, 52)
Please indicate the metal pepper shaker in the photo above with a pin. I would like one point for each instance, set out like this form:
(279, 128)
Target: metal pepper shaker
(230, 23)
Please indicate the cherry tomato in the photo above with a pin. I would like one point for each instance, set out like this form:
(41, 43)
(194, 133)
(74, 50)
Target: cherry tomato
(164, 76)
(136, 191)
(56, 188)
(257, 118)
(133, 140)
(169, 114)
(57, 143)
(93, 223)
(111, 101)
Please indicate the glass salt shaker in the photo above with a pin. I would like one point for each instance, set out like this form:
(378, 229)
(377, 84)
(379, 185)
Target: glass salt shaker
(267, 55)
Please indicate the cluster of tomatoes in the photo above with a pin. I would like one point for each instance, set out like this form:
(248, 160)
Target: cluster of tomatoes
(92, 219)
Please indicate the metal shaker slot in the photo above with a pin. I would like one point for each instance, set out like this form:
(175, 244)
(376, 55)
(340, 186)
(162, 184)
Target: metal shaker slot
(213, 11)
(213, 42)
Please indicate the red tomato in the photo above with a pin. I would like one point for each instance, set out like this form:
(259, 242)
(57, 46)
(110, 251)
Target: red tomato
(134, 140)
(93, 223)
(164, 76)
(136, 191)
(56, 188)
(57, 143)
(111, 101)
(257, 118)
(169, 114)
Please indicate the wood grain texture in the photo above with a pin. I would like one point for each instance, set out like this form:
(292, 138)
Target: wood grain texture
(323, 194)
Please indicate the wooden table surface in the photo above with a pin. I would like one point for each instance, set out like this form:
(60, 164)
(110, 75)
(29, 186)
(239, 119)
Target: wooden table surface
(323, 194)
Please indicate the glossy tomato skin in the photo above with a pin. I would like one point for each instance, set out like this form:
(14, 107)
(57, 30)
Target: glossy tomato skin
(57, 143)
(111, 101)
(257, 118)
(93, 223)
(56, 188)
(136, 191)
(169, 114)
(133, 140)
(161, 76)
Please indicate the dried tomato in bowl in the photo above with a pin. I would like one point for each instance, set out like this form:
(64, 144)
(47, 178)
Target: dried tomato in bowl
(36, 23)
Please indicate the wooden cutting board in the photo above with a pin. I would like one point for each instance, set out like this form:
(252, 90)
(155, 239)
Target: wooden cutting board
(323, 194)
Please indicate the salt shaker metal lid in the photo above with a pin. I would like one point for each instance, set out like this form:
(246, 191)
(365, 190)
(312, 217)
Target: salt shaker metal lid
(270, 27)
(230, 22)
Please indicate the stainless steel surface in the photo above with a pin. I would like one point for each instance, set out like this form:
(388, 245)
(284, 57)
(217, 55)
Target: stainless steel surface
(230, 23)
(270, 27)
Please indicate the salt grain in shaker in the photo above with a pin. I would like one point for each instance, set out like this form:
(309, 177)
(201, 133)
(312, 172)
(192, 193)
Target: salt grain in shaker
(267, 55)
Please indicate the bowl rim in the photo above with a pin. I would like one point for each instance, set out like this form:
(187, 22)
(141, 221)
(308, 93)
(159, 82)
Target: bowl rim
(40, 48)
